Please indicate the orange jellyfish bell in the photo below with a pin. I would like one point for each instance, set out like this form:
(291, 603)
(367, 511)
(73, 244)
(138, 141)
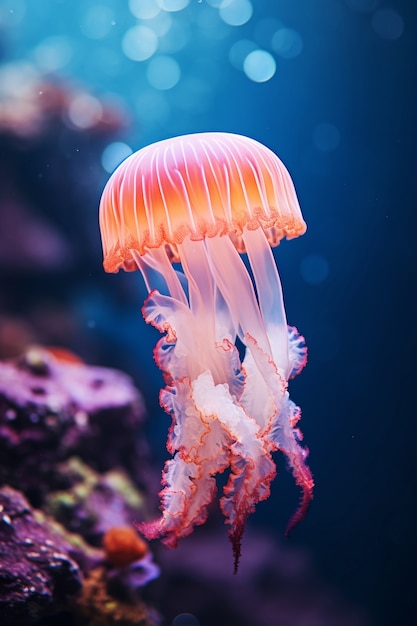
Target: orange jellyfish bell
(201, 200)
(199, 185)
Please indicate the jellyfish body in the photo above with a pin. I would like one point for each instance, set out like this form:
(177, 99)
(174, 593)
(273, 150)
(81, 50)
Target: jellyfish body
(201, 200)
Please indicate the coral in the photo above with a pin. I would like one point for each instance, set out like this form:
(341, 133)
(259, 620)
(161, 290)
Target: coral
(51, 408)
(123, 546)
(99, 608)
(38, 572)
(93, 503)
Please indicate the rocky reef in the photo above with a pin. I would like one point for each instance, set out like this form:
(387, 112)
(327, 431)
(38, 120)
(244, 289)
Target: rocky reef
(68, 550)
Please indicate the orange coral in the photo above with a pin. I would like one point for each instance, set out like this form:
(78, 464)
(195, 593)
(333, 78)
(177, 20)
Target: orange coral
(123, 546)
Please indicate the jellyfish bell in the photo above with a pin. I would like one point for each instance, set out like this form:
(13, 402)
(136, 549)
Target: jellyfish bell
(202, 200)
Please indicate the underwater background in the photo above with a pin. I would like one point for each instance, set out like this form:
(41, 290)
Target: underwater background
(330, 87)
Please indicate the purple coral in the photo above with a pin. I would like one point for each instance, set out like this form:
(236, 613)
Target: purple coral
(51, 409)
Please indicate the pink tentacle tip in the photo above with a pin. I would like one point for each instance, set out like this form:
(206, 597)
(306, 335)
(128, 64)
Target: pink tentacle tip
(303, 508)
(235, 537)
(150, 530)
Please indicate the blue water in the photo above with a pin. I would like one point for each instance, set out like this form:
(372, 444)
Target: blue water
(337, 103)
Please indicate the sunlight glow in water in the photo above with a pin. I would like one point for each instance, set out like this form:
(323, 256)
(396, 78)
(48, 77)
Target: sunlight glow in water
(259, 66)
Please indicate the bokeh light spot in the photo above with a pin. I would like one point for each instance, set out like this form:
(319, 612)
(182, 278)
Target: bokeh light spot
(259, 66)
(186, 619)
(114, 154)
(139, 43)
(160, 24)
(163, 72)
(314, 269)
(287, 43)
(53, 53)
(388, 24)
(239, 51)
(84, 111)
(173, 5)
(236, 12)
(176, 38)
(326, 137)
(144, 9)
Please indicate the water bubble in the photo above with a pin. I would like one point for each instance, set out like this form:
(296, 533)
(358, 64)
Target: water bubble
(139, 43)
(287, 43)
(114, 154)
(388, 24)
(163, 72)
(314, 269)
(326, 137)
(236, 12)
(259, 66)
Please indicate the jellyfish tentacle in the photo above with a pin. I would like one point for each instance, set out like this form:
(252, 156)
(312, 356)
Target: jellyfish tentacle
(242, 303)
(298, 351)
(201, 200)
(282, 432)
(194, 261)
(252, 466)
(157, 260)
(269, 290)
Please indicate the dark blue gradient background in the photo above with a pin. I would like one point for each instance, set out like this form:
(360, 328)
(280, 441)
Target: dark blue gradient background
(358, 393)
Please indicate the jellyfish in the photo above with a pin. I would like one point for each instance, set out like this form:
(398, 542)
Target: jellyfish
(183, 211)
